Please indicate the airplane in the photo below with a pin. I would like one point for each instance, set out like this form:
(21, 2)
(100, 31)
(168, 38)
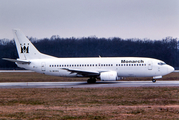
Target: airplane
(103, 68)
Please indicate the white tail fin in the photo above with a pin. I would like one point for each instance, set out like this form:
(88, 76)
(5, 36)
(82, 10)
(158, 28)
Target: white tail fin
(26, 50)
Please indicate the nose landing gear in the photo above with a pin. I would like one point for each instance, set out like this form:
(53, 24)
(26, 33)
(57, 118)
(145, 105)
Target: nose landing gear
(153, 80)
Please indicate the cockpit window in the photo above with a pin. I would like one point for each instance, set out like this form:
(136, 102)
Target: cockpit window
(161, 63)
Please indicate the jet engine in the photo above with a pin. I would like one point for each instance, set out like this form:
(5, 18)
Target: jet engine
(108, 76)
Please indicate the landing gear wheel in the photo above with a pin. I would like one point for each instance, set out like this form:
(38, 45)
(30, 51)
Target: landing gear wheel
(91, 80)
(153, 80)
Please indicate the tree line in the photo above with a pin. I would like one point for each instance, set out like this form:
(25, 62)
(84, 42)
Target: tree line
(165, 49)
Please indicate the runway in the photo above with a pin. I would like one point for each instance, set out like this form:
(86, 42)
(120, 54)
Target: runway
(99, 84)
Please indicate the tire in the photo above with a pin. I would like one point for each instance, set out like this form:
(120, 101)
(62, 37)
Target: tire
(153, 80)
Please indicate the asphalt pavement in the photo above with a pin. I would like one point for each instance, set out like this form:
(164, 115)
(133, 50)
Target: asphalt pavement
(99, 84)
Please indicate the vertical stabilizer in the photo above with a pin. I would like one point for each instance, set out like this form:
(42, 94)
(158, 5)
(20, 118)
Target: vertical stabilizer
(26, 50)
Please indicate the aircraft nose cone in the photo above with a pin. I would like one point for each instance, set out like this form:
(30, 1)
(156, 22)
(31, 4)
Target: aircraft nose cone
(170, 69)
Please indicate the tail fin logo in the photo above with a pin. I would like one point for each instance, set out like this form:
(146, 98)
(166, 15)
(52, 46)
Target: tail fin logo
(25, 48)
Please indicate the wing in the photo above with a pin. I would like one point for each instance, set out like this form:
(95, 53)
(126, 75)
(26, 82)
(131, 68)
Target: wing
(85, 73)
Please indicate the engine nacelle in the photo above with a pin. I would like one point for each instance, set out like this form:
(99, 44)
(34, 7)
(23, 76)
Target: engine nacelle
(109, 76)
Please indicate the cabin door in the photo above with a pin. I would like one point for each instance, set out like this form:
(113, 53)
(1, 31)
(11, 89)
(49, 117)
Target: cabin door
(43, 67)
(149, 65)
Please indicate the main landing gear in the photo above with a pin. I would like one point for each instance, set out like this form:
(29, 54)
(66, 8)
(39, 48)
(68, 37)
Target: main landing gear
(153, 80)
(91, 80)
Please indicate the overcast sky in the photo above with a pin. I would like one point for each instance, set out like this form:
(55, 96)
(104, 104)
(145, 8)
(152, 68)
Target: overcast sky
(153, 19)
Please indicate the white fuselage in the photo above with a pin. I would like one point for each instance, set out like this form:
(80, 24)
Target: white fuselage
(124, 66)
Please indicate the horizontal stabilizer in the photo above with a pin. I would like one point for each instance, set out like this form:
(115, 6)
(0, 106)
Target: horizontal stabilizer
(16, 60)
